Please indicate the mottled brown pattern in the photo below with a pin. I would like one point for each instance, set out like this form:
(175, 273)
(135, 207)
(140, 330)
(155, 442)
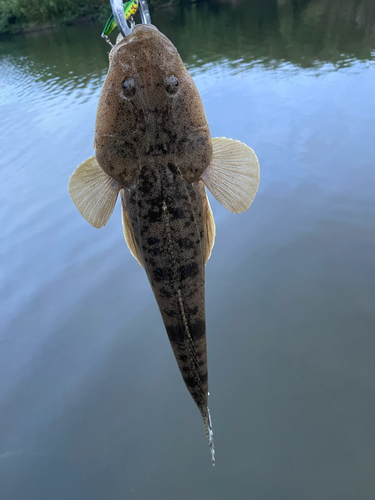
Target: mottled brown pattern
(152, 137)
(173, 257)
(153, 122)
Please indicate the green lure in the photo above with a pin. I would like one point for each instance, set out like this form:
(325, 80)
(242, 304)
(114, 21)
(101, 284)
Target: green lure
(130, 8)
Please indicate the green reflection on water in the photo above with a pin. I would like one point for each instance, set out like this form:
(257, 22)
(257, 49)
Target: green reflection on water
(58, 53)
(306, 33)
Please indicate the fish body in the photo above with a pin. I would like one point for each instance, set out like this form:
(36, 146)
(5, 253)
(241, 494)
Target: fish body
(153, 146)
(167, 217)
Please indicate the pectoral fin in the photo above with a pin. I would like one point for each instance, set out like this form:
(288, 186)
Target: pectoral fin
(128, 232)
(233, 174)
(209, 227)
(93, 192)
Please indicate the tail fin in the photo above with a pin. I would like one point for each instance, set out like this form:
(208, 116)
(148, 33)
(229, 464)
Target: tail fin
(205, 412)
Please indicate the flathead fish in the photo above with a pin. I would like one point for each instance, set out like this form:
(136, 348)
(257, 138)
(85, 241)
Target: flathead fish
(153, 147)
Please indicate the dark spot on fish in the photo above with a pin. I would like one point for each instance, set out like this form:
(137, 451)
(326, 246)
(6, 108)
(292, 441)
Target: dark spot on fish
(193, 311)
(182, 141)
(188, 271)
(150, 260)
(162, 148)
(185, 243)
(177, 213)
(160, 274)
(145, 186)
(188, 371)
(191, 382)
(176, 333)
(133, 197)
(154, 214)
(183, 358)
(154, 251)
(153, 241)
(198, 330)
(193, 196)
(204, 378)
(165, 293)
(170, 313)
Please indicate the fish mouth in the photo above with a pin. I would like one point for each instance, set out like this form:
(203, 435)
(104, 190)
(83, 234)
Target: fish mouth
(144, 27)
(143, 31)
(139, 32)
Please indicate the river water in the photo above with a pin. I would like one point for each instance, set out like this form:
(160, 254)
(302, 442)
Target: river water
(92, 405)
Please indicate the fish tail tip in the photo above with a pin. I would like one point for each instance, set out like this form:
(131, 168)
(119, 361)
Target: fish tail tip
(209, 432)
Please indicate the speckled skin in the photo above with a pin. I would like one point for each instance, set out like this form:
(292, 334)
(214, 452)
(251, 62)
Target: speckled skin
(156, 144)
(131, 132)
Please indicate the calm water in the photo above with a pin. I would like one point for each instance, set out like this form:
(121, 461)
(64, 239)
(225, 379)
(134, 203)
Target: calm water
(92, 405)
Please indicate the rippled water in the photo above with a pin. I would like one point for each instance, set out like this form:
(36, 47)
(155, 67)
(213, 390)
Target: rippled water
(92, 405)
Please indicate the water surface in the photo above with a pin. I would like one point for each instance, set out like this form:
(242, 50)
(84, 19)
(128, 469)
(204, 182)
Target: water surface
(92, 405)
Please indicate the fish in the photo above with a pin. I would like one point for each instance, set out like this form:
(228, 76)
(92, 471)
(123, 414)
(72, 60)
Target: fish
(153, 148)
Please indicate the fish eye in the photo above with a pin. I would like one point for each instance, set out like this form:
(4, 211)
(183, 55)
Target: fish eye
(171, 84)
(129, 87)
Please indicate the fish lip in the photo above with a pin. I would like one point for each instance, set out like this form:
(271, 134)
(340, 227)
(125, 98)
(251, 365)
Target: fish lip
(140, 31)
(144, 27)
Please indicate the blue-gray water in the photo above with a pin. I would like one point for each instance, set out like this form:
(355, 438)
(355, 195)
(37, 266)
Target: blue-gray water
(92, 404)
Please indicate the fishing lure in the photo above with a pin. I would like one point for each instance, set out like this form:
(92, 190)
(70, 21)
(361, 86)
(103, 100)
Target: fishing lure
(130, 8)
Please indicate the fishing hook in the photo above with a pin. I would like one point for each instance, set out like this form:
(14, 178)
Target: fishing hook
(145, 13)
(118, 14)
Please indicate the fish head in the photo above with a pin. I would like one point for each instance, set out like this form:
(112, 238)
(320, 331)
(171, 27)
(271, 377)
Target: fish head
(150, 110)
